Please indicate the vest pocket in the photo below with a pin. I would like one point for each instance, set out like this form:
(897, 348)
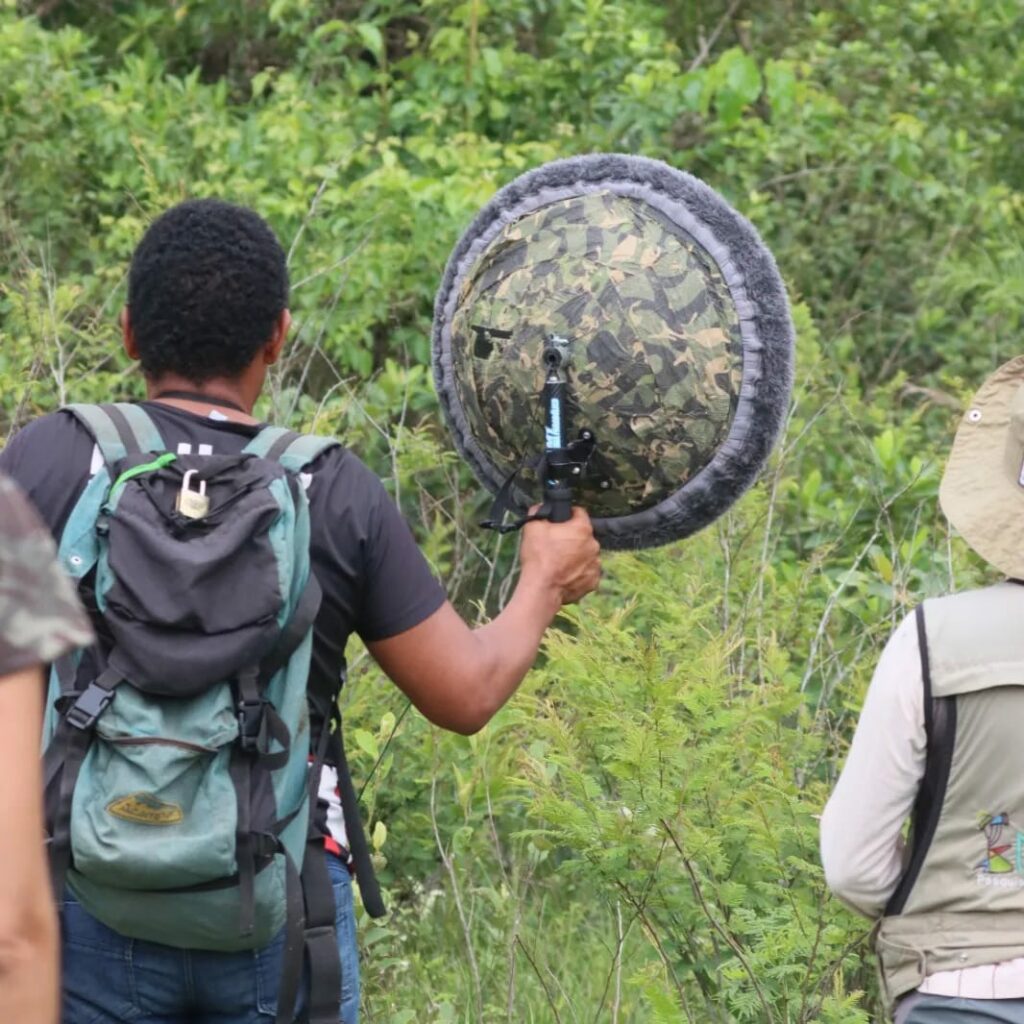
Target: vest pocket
(154, 807)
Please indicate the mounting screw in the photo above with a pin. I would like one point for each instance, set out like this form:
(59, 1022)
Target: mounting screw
(586, 435)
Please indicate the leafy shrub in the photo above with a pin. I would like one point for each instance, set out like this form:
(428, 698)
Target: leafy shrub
(634, 837)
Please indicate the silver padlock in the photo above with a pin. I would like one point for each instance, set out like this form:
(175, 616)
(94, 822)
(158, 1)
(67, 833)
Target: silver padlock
(192, 504)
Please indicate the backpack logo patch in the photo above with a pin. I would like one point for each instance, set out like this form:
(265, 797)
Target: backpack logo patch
(146, 809)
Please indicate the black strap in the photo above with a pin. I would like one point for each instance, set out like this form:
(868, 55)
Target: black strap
(294, 632)
(76, 746)
(291, 957)
(53, 756)
(556, 507)
(273, 730)
(68, 676)
(260, 725)
(69, 746)
(66, 672)
(320, 939)
(317, 766)
(365, 876)
(198, 396)
(281, 445)
(940, 737)
(504, 504)
(321, 947)
(240, 770)
(123, 428)
(926, 673)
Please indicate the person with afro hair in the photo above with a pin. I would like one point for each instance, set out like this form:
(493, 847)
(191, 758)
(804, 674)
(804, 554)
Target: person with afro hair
(207, 286)
(206, 317)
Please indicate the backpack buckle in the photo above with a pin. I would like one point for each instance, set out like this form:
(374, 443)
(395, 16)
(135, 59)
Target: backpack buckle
(88, 706)
(250, 724)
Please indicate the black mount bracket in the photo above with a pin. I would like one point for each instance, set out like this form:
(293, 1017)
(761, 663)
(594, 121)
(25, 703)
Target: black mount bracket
(566, 465)
(563, 465)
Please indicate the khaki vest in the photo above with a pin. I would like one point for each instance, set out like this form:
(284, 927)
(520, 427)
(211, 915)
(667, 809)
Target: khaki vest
(965, 907)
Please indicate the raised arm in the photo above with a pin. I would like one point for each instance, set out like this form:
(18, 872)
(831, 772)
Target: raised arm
(459, 677)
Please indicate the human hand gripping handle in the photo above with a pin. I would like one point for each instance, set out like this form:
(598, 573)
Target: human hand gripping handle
(562, 557)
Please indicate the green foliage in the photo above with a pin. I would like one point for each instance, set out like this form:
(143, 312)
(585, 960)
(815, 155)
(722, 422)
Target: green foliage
(634, 837)
(686, 794)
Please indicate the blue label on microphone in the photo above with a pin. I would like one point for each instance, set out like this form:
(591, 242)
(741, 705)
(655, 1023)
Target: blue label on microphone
(553, 430)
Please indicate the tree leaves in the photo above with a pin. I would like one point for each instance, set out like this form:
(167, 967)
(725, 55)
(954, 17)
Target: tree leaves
(737, 84)
(708, 693)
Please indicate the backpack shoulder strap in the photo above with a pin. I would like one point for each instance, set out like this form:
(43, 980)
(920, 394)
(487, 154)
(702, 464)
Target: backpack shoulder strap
(119, 429)
(940, 735)
(293, 451)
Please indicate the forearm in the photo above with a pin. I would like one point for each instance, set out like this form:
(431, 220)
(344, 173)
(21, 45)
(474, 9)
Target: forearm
(28, 968)
(507, 646)
(458, 677)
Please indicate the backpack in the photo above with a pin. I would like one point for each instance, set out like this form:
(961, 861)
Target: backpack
(177, 749)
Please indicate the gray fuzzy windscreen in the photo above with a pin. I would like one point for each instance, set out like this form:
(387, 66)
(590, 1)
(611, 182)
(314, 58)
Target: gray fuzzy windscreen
(679, 331)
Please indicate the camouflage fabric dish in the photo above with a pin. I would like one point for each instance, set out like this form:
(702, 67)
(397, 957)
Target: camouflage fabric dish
(680, 342)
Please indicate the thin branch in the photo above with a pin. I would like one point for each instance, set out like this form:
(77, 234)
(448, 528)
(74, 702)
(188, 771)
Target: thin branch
(308, 217)
(618, 964)
(456, 892)
(540, 977)
(652, 934)
(934, 395)
(705, 47)
(833, 599)
(729, 938)
(615, 970)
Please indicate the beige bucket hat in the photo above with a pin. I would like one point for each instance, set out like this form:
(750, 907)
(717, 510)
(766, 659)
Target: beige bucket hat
(982, 491)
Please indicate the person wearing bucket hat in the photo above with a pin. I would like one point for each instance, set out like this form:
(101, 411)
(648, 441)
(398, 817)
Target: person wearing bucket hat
(982, 491)
(939, 742)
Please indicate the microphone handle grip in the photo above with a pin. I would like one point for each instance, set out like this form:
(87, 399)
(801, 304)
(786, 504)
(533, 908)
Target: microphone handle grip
(559, 501)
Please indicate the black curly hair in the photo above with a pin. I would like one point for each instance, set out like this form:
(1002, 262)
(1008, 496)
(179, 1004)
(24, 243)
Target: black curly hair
(206, 285)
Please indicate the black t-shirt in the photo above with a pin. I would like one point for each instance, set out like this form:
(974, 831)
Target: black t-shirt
(375, 580)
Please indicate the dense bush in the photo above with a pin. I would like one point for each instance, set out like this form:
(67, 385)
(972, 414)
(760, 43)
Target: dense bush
(633, 838)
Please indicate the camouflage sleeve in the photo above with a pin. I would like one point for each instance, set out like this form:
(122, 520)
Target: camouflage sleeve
(40, 615)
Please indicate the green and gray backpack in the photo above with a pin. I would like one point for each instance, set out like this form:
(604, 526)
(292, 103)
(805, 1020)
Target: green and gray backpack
(177, 749)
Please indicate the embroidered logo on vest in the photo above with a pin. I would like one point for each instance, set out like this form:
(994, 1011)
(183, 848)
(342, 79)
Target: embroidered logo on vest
(1001, 858)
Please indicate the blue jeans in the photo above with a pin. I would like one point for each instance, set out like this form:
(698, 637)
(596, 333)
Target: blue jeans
(109, 979)
(918, 1008)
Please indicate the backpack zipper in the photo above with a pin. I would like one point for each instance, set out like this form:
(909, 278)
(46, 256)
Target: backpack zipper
(161, 741)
